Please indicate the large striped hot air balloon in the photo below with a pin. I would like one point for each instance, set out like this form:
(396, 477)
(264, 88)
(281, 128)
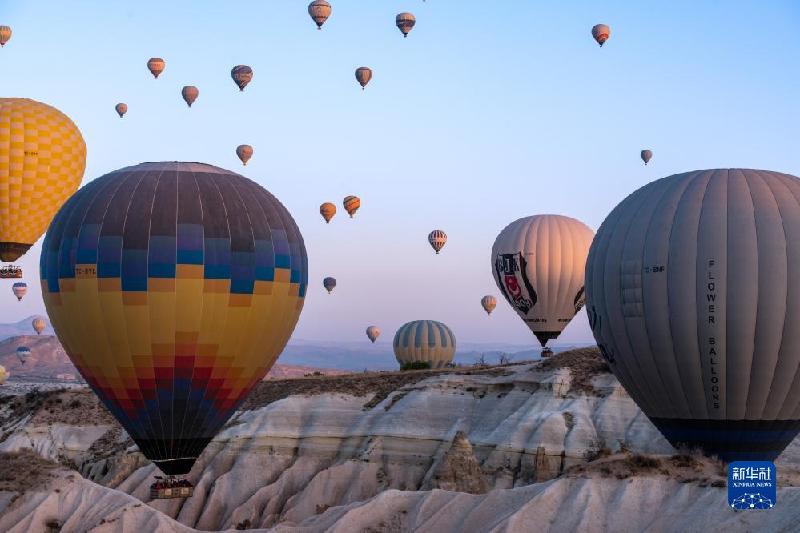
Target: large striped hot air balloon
(173, 287)
(37, 175)
(426, 341)
(693, 296)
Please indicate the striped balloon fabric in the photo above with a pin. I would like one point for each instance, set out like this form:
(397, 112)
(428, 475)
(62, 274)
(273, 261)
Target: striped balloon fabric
(437, 239)
(173, 288)
(424, 341)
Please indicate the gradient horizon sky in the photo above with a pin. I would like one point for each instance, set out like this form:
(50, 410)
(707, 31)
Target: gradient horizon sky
(487, 112)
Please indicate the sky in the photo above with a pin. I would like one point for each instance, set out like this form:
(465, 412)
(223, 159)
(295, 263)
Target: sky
(487, 112)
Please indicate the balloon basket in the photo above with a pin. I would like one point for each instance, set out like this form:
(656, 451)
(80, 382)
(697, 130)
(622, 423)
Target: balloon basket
(547, 352)
(10, 272)
(170, 487)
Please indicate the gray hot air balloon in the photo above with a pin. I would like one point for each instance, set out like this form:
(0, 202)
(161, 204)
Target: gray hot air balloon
(601, 33)
(405, 22)
(241, 75)
(363, 75)
(425, 341)
(538, 264)
(190, 94)
(693, 296)
(373, 332)
(121, 109)
(319, 11)
(329, 284)
(647, 155)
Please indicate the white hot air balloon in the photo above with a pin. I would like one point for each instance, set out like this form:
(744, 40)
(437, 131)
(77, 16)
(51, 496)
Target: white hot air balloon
(693, 296)
(538, 264)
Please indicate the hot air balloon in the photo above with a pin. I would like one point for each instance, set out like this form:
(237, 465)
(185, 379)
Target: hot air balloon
(437, 239)
(319, 10)
(22, 353)
(121, 109)
(351, 204)
(405, 22)
(3, 374)
(190, 94)
(373, 332)
(241, 75)
(38, 325)
(327, 210)
(424, 341)
(601, 33)
(488, 303)
(363, 75)
(38, 177)
(20, 289)
(5, 35)
(245, 152)
(693, 297)
(329, 284)
(156, 66)
(173, 287)
(646, 156)
(538, 265)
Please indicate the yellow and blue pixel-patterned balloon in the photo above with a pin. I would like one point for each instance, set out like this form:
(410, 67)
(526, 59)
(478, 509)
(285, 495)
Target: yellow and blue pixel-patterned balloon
(42, 159)
(173, 288)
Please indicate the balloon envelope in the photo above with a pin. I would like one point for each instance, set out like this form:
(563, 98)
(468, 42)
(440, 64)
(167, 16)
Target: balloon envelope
(693, 296)
(329, 284)
(38, 324)
(3, 374)
(646, 156)
(405, 22)
(20, 289)
(156, 66)
(121, 109)
(190, 94)
(351, 204)
(437, 239)
(27, 176)
(5, 35)
(319, 11)
(601, 33)
(173, 287)
(424, 341)
(373, 332)
(22, 353)
(327, 210)
(241, 75)
(538, 264)
(244, 152)
(363, 75)
(488, 303)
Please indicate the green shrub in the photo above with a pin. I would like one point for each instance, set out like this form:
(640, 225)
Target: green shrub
(416, 365)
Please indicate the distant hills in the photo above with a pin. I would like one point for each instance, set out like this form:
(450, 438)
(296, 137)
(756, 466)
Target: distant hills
(300, 357)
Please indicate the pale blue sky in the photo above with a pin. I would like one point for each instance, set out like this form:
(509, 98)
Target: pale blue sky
(489, 111)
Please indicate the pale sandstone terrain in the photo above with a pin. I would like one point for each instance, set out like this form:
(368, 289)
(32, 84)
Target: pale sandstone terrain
(540, 446)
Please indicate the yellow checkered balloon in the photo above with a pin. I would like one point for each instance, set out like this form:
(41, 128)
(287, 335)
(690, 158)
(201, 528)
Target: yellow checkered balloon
(42, 160)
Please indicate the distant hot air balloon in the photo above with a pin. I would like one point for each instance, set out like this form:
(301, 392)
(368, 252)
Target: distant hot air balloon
(405, 22)
(327, 210)
(40, 175)
(121, 109)
(319, 10)
(426, 341)
(241, 75)
(244, 152)
(373, 332)
(4, 374)
(363, 75)
(22, 354)
(173, 287)
(692, 294)
(329, 284)
(488, 303)
(5, 35)
(38, 325)
(646, 156)
(351, 204)
(601, 33)
(156, 66)
(437, 239)
(20, 289)
(538, 265)
(190, 94)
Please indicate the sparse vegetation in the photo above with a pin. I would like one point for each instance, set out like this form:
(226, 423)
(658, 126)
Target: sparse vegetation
(416, 365)
(24, 470)
(638, 462)
(505, 359)
(584, 364)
